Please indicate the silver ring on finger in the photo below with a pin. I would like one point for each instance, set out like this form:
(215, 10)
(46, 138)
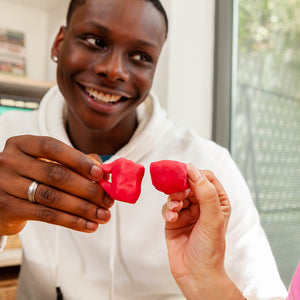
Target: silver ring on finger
(32, 190)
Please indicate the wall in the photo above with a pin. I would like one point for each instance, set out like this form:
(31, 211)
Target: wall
(190, 67)
(184, 76)
(56, 18)
(33, 22)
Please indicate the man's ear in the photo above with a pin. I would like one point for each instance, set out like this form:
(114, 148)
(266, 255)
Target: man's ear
(58, 42)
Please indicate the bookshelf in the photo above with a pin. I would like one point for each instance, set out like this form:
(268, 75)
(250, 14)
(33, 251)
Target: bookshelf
(12, 253)
(22, 88)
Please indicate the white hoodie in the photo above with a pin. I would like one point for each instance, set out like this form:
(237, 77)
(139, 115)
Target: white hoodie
(127, 258)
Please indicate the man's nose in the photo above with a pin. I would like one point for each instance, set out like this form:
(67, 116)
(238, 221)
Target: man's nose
(113, 67)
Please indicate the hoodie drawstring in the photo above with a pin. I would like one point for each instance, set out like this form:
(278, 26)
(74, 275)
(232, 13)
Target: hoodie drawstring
(59, 294)
(112, 255)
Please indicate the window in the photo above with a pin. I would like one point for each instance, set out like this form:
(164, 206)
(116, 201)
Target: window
(261, 111)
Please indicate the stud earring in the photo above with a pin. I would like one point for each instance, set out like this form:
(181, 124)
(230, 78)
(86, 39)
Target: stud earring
(55, 58)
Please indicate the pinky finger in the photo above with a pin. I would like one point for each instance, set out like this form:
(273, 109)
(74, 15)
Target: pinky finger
(38, 212)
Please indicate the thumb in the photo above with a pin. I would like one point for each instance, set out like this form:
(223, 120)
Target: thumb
(95, 158)
(205, 193)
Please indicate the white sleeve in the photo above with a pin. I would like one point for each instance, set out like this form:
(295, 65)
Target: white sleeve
(3, 240)
(249, 260)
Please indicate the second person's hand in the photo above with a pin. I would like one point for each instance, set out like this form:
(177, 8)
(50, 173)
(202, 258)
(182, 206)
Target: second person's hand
(196, 223)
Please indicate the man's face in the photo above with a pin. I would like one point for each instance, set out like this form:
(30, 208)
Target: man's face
(107, 59)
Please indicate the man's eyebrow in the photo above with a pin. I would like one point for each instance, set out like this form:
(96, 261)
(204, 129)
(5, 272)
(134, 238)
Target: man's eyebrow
(98, 26)
(145, 43)
(108, 31)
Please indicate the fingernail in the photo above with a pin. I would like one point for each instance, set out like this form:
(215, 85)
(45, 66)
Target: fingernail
(194, 173)
(108, 201)
(102, 214)
(173, 204)
(170, 216)
(96, 172)
(91, 225)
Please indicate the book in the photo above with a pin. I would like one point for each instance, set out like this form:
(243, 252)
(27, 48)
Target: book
(12, 52)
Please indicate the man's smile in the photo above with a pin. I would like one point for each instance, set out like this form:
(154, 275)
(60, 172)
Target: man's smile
(102, 97)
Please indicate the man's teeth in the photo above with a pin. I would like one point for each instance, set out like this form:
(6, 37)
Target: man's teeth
(101, 97)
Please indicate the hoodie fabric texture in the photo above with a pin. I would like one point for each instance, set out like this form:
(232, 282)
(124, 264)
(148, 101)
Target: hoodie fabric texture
(127, 258)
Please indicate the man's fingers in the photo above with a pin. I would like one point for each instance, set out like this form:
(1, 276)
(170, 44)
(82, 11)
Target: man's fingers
(52, 216)
(55, 150)
(60, 177)
(59, 200)
(18, 211)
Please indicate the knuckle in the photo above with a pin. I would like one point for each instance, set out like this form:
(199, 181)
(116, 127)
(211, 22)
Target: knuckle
(57, 173)
(7, 159)
(77, 223)
(85, 207)
(10, 142)
(210, 175)
(49, 146)
(208, 193)
(94, 191)
(46, 195)
(85, 163)
(46, 215)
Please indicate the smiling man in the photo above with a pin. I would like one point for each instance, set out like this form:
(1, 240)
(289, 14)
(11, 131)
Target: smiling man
(78, 243)
(107, 58)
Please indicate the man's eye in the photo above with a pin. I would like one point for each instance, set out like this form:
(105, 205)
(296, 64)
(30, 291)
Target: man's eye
(97, 42)
(141, 57)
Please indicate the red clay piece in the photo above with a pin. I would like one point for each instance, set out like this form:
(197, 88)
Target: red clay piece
(126, 180)
(169, 176)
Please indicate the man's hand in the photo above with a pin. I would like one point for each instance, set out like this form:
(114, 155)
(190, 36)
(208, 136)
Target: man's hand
(67, 194)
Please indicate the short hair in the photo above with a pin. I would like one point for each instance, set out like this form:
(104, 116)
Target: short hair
(156, 3)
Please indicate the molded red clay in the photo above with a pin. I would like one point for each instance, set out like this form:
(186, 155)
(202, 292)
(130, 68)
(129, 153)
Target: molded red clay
(126, 180)
(169, 176)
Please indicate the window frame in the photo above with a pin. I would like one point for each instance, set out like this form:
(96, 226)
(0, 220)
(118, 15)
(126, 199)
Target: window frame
(224, 51)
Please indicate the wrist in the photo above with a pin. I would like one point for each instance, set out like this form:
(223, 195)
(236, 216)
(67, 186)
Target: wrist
(209, 287)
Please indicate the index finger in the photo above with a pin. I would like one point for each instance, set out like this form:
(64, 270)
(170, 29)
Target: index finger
(55, 150)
